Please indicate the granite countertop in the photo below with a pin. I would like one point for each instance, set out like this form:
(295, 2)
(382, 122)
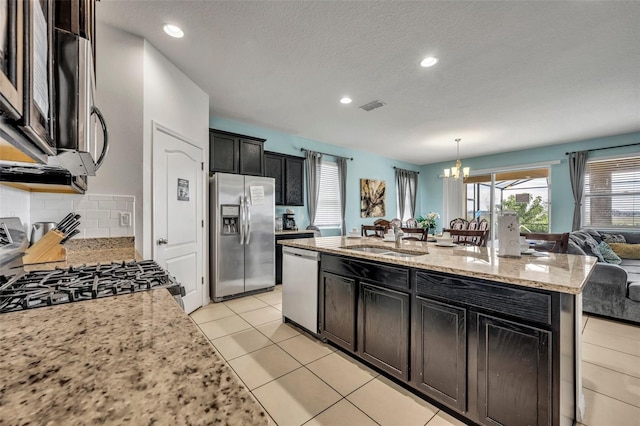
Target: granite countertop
(132, 359)
(297, 231)
(563, 273)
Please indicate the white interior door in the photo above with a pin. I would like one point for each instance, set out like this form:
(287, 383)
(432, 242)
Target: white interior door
(178, 197)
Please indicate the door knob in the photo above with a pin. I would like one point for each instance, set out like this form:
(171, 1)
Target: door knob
(162, 241)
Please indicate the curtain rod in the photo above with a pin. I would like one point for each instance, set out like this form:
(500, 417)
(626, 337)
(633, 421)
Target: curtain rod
(609, 147)
(324, 153)
(406, 170)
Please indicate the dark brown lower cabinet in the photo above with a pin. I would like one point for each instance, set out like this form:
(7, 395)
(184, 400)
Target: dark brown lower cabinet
(440, 353)
(492, 352)
(338, 309)
(514, 373)
(383, 324)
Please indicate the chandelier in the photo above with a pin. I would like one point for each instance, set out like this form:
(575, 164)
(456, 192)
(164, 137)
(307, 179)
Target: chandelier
(454, 172)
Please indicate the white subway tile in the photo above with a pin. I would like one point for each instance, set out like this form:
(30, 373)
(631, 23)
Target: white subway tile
(115, 214)
(130, 207)
(88, 224)
(108, 223)
(97, 214)
(95, 197)
(82, 214)
(121, 205)
(86, 205)
(129, 198)
(46, 196)
(119, 232)
(106, 205)
(37, 204)
(96, 233)
(58, 204)
(44, 216)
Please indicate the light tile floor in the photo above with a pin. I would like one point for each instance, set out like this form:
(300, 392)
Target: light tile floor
(299, 380)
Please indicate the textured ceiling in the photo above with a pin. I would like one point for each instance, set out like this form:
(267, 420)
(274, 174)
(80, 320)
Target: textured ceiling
(512, 74)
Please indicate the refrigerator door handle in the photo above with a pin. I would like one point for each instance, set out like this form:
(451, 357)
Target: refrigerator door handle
(241, 224)
(248, 220)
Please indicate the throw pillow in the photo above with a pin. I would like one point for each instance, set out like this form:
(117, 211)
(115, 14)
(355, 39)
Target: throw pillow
(626, 251)
(594, 234)
(613, 238)
(586, 243)
(609, 255)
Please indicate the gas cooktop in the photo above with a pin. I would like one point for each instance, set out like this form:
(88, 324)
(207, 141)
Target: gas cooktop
(47, 288)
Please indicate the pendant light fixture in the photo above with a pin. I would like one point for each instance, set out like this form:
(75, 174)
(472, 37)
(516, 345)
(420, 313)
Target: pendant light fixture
(455, 172)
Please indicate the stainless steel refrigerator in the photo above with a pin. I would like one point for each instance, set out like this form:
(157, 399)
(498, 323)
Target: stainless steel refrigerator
(242, 236)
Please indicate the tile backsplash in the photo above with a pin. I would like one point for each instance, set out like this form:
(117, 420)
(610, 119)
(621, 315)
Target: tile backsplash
(101, 215)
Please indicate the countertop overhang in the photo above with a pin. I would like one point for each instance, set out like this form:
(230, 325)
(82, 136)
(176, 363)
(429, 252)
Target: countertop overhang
(564, 273)
(131, 359)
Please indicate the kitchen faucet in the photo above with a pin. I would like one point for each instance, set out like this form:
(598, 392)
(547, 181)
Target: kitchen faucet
(398, 232)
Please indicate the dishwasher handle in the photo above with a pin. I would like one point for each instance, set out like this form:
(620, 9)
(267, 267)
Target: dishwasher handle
(305, 254)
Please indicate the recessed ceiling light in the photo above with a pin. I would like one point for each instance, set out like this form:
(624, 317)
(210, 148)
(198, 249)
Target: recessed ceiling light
(173, 30)
(345, 100)
(428, 62)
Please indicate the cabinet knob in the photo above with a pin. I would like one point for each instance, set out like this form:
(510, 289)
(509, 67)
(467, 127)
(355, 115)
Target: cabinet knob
(162, 241)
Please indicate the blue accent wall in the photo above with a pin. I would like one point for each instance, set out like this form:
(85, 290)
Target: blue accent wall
(430, 185)
(364, 165)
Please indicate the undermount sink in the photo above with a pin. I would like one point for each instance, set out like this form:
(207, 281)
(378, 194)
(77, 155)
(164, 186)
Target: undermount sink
(385, 251)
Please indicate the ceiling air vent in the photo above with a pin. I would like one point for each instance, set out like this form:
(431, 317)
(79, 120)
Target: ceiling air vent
(372, 105)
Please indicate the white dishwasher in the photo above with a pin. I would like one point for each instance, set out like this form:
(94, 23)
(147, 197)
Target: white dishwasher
(300, 287)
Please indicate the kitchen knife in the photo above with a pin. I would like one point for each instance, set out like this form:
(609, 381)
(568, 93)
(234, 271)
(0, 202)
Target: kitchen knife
(71, 228)
(68, 224)
(64, 221)
(69, 236)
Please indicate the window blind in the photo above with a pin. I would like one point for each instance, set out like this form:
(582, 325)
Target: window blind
(328, 212)
(612, 193)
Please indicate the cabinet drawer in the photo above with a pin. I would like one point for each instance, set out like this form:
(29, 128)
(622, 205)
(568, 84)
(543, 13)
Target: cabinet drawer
(529, 305)
(388, 276)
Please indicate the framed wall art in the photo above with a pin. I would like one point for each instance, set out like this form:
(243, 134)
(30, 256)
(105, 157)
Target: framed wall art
(372, 198)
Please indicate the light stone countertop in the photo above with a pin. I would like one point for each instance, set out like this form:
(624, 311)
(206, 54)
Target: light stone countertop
(564, 273)
(132, 359)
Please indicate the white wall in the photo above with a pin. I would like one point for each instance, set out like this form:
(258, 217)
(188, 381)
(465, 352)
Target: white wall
(119, 87)
(172, 100)
(15, 203)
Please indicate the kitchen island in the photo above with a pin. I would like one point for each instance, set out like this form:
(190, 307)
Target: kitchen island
(130, 359)
(496, 340)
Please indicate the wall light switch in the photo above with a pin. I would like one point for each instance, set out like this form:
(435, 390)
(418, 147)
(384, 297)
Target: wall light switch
(125, 219)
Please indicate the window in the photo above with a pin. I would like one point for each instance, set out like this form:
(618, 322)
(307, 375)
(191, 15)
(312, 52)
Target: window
(328, 213)
(612, 193)
(407, 207)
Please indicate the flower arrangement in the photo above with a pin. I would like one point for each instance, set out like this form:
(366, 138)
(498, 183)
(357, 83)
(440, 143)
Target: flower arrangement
(428, 220)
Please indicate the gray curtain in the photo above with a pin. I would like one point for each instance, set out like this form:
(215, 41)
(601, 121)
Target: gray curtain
(313, 183)
(406, 182)
(577, 167)
(342, 177)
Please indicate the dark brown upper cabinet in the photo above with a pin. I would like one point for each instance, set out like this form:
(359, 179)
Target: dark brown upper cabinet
(234, 153)
(11, 58)
(288, 172)
(77, 17)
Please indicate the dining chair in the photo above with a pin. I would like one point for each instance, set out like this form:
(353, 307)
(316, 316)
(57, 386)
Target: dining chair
(382, 222)
(474, 237)
(415, 234)
(395, 223)
(373, 231)
(560, 241)
(412, 222)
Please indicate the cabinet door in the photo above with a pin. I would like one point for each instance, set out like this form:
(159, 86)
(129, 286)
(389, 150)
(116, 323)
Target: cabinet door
(440, 352)
(251, 157)
(384, 329)
(338, 310)
(274, 168)
(12, 54)
(223, 153)
(294, 184)
(514, 373)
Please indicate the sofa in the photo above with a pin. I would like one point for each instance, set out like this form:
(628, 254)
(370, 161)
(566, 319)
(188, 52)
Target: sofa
(613, 290)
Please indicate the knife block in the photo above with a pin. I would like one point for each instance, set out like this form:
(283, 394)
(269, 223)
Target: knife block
(46, 249)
